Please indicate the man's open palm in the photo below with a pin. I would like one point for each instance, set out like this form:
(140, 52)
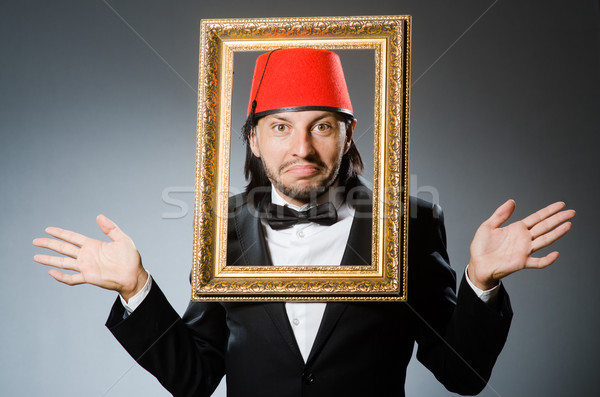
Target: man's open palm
(114, 265)
(499, 251)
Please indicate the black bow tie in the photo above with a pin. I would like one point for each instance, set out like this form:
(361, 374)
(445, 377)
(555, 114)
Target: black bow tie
(280, 217)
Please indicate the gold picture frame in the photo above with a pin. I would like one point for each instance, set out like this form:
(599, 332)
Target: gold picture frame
(389, 38)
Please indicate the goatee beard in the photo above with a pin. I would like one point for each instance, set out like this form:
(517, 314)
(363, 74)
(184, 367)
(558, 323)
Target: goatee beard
(308, 194)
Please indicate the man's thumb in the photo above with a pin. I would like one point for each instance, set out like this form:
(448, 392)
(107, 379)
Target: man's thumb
(109, 228)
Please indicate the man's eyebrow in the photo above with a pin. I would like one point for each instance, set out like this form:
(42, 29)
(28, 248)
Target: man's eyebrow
(325, 116)
(278, 118)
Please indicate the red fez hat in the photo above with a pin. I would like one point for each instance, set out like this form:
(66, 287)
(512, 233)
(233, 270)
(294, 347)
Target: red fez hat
(295, 79)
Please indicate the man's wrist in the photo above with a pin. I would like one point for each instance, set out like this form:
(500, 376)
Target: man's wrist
(141, 281)
(134, 301)
(485, 283)
(487, 295)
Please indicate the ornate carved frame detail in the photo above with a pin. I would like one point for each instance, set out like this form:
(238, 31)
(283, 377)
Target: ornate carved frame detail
(385, 280)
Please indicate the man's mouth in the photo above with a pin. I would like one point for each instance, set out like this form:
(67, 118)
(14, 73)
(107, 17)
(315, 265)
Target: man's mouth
(303, 170)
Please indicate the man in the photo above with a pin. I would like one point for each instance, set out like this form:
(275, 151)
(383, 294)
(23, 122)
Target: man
(300, 151)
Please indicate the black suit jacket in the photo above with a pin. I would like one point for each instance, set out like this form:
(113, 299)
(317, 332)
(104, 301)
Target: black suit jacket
(361, 349)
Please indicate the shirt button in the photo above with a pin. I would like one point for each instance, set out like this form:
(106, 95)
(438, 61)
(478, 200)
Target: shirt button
(300, 233)
(296, 321)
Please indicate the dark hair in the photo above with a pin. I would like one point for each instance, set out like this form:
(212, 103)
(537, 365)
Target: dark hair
(351, 166)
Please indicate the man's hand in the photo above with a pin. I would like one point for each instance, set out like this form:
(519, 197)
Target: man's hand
(498, 251)
(115, 265)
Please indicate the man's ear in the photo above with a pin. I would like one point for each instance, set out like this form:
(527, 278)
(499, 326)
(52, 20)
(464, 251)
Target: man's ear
(349, 132)
(253, 144)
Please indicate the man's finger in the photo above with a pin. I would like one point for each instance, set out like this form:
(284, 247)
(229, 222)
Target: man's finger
(69, 279)
(57, 261)
(542, 214)
(58, 246)
(540, 263)
(110, 228)
(67, 235)
(501, 214)
(550, 237)
(550, 223)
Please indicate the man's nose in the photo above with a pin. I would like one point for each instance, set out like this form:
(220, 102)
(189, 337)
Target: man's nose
(303, 144)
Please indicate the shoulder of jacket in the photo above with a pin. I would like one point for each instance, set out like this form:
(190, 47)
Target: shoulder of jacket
(419, 208)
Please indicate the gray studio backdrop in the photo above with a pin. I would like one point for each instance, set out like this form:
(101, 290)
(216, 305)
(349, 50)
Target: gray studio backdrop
(98, 115)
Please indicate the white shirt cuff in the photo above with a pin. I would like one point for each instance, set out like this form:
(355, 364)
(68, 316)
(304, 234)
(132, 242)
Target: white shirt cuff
(137, 299)
(488, 295)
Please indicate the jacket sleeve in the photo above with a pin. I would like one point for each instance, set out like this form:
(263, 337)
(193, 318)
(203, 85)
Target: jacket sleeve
(185, 355)
(459, 338)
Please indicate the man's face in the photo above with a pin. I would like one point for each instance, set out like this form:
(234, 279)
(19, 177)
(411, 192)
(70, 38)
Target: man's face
(301, 151)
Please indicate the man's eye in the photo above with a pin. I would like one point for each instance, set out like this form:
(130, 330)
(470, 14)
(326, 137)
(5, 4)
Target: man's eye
(281, 128)
(321, 127)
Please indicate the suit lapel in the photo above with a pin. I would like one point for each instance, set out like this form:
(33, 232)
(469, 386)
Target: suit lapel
(358, 249)
(252, 251)
(357, 253)
(251, 238)
(333, 311)
(278, 315)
